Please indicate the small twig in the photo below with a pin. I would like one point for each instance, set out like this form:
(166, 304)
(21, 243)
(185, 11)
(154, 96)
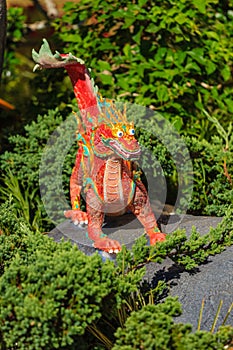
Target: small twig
(226, 173)
(200, 314)
(210, 87)
(227, 314)
(216, 316)
(99, 335)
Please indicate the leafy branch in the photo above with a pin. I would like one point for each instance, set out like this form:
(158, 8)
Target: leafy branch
(186, 252)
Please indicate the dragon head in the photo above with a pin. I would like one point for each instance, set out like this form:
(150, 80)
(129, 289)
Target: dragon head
(116, 139)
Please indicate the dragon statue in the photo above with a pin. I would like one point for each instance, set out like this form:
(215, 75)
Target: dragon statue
(105, 165)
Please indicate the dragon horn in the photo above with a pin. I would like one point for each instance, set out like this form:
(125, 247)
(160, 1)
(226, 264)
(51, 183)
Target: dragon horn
(84, 89)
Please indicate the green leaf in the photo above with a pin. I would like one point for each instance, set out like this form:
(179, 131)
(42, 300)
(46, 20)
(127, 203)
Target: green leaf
(123, 83)
(106, 79)
(137, 37)
(192, 66)
(181, 18)
(142, 2)
(212, 35)
(200, 5)
(180, 57)
(127, 50)
(226, 73)
(152, 28)
(162, 93)
(104, 65)
(197, 55)
(210, 67)
(229, 104)
(177, 122)
(129, 20)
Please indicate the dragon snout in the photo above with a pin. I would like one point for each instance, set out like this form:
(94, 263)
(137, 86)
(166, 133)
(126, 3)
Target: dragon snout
(129, 149)
(131, 145)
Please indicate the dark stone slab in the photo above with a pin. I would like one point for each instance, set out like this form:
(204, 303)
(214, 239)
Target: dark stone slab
(212, 281)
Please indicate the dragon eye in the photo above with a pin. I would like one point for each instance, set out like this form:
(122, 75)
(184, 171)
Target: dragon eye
(131, 132)
(119, 133)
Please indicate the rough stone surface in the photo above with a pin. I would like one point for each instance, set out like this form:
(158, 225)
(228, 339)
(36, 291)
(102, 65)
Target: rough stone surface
(212, 281)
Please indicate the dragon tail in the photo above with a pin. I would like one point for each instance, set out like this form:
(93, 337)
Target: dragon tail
(84, 89)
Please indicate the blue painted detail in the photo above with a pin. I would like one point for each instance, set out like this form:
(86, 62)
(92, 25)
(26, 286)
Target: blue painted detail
(81, 138)
(120, 133)
(89, 181)
(132, 132)
(132, 191)
(86, 151)
(90, 120)
(105, 105)
(102, 235)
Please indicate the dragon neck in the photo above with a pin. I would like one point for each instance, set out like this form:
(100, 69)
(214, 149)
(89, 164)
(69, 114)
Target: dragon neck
(84, 93)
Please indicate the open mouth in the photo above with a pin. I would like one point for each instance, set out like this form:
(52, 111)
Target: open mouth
(121, 151)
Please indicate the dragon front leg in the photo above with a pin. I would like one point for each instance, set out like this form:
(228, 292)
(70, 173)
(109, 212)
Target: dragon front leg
(141, 208)
(76, 214)
(95, 222)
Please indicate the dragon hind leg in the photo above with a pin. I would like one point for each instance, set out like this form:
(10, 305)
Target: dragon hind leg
(141, 208)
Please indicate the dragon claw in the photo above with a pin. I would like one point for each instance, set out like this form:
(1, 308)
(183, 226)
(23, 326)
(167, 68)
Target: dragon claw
(82, 224)
(107, 245)
(157, 237)
(78, 217)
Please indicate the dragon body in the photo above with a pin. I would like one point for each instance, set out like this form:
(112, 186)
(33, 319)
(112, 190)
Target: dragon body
(105, 167)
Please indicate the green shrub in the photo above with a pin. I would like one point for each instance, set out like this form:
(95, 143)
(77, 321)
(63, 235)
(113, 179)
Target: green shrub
(54, 296)
(21, 168)
(154, 328)
(175, 57)
(213, 170)
(15, 32)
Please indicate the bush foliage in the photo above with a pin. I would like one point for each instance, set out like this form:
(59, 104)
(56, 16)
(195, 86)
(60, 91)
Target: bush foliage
(175, 57)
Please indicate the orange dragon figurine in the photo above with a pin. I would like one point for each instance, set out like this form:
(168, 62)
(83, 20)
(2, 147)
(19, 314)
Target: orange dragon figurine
(105, 164)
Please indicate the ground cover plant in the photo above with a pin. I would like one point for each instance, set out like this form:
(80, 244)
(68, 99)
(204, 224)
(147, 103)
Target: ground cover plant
(54, 297)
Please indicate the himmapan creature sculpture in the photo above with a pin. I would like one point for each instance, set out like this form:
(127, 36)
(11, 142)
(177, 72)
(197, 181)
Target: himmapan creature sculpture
(105, 165)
